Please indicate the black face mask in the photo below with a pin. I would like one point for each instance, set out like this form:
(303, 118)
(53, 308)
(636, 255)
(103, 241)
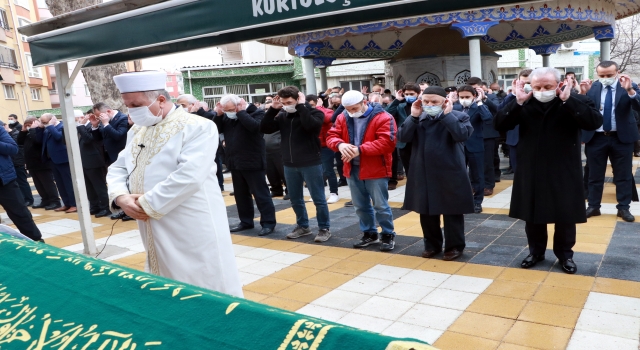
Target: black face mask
(385, 105)
(334, 107)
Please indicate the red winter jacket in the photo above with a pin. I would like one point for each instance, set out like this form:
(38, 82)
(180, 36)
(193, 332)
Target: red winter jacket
(326, 125)
(376, 146)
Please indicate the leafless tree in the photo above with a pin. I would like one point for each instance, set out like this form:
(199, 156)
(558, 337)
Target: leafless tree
(99, 79)
(625, 48)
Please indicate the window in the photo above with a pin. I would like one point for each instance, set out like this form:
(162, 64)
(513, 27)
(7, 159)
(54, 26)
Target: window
(169, 88)
(9, 92)
(506, 80)
(4, 21)
(35, 94)
(23, 22)
(8, 58)
(86, 90)
(355, 85)
(23, 3)
(169, 78)
(251, 92)
(578, 70)
(33, 72)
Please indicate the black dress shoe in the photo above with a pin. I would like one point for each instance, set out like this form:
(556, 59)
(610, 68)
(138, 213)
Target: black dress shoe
(38, 206)
(28, 203)
(626, 215)
(94, 211)
(531, 261)
(477, 208)
(428, 254)
(265, 231)
(240, 227)
(231, 193)
(117, 216)
(127, 218)
(286, 197)
(342, 183)
(452, 255)
(276, 194)
(593, 212)
(102, 213)
(53, 206)
(569, 266)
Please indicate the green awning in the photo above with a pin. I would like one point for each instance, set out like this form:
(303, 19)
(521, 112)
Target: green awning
(183, 25)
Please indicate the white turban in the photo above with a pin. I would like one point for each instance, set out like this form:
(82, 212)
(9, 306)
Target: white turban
(150, 80)
(352, 97)
(77, 113)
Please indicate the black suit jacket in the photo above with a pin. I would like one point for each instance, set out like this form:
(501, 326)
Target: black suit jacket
(626, 125)
(114, 135)
(91, 148)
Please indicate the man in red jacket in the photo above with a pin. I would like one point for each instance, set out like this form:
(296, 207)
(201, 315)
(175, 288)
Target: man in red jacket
(365, 135)
(326, 154)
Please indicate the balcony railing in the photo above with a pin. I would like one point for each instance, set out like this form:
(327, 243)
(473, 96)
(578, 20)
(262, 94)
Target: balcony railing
(8, 65)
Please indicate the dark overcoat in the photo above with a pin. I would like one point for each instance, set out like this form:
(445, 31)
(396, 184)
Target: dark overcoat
(547, 186)
(437, 183)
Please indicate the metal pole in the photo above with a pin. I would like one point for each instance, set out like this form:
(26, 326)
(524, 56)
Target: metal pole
(75, 160)
(475, 58)
(546, 62)
(323, 78)
(310, 75)
(605, 50)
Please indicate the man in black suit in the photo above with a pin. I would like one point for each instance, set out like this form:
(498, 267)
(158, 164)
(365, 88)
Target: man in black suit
(115, 125)
(93, 164)
(615, 96)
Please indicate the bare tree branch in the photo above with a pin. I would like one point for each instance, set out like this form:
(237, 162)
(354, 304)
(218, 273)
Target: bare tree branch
(625, 48)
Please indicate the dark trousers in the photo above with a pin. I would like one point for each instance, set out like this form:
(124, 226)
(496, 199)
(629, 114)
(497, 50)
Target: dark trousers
(23, 184)
(340, 166)
(496, 160)
(219, 172)
(513, 157)
(43, 180)
(636, 148)
(598, 150)
(453, 232)
(96, 184)
(62, 174)
(405, 155)
(489, 167)
(564, 238)
(395, 156)
(275, 173)
(328, 156)
(585, 178)
(247, 183)
(13, 203)
(475, 161)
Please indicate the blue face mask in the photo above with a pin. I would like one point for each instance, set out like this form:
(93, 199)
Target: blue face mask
(411, 99)
(432, 110)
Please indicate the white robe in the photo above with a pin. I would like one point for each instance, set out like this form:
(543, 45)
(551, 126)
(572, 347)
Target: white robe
(187, 236)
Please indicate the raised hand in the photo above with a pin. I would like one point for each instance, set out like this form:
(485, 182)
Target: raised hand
(522, 96)
(276, 104)
(565, 93)
(416, 108)
(301, 98)
(585, 86)
(448, 107)
(219, 111)
(364, 90)
(625, 82)
(242, 105)
(399, 95)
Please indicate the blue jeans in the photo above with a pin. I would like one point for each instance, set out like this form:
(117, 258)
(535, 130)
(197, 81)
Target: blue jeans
(363, 192)
(328, 156)
(312, 175)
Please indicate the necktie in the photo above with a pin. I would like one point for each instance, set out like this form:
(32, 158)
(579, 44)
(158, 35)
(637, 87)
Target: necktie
(465, 109)
(606, 114)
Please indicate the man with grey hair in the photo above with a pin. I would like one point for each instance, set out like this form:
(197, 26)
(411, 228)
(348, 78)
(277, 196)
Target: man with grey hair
(246, 157)
(165, 179)
(547, 187)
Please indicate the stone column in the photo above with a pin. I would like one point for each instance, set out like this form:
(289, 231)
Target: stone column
(310, 75)
(604, 35)
(474, 31)
(546, 51)
(322, 63)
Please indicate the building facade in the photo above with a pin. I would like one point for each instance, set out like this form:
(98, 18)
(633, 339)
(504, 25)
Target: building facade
(24, 87)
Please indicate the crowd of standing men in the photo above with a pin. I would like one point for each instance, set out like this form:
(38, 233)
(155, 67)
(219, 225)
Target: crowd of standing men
(447, 142)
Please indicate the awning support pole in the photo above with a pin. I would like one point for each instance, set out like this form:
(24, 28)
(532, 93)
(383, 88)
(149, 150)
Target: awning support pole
(75, 160)
(74, 74)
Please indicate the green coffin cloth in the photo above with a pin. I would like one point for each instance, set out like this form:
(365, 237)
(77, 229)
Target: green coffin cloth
(54, 299)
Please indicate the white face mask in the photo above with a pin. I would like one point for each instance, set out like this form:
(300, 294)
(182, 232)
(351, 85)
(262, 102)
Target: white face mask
(545, 96)
(142, 115)
(527, 88)
(357, 114)
(289, 109)
(466, 102)
(608, 81)
(231, 115)
(432, 110)
(12, 122)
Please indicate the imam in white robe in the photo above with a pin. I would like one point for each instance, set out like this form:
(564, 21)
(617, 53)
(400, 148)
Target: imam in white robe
(173, 165)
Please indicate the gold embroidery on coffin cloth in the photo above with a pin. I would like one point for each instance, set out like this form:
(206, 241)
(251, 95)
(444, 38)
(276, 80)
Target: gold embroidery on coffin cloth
(154, 138)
